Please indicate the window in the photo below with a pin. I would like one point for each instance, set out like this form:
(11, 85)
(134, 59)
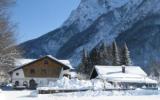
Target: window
(32, 71)
(17, 74)
(45, 61)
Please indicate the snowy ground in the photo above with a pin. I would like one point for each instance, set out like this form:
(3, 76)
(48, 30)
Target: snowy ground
(96, 94)
(26, 95)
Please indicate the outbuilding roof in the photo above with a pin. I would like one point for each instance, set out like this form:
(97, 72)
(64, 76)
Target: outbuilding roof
(105, 70)
(132, 74)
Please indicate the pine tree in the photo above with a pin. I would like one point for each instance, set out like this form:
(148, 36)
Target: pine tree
(101, 58)
(154, 68)
(125, 56)
(84, 61)
(95, 56)
(86, 64)
(90, 66)
(104, 54)
(115, 55)
(104, 47)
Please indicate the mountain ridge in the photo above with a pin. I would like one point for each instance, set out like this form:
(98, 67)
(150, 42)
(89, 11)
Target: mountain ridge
(85, 30)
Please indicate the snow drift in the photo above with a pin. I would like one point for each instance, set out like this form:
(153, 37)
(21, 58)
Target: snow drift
(75, 84)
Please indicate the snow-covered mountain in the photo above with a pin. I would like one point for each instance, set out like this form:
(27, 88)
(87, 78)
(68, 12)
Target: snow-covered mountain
(136, 22)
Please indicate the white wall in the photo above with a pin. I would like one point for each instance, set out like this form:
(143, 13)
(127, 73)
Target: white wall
(19, 77)
(41, 81)
(21, 74)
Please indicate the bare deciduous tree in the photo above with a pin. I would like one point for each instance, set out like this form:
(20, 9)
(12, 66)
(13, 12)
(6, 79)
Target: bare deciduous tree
(8, 50)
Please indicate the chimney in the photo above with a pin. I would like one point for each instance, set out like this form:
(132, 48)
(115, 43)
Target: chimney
(123, 69)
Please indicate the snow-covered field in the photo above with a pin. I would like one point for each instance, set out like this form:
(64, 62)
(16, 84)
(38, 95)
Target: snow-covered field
(96, 92)
(30, 95)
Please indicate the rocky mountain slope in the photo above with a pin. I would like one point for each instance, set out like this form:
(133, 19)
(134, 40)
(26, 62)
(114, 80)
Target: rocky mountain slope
(136, 22)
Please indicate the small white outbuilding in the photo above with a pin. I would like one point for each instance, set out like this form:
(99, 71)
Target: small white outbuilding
(123, 75)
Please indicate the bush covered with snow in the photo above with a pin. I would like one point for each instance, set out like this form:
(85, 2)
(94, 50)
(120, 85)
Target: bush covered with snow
(74, 84)
(65, 83)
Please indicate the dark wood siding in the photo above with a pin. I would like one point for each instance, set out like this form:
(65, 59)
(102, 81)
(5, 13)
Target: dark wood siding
(45, 67)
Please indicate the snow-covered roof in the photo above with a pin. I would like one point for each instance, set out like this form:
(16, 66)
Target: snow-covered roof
(131, 78)
(105, 70)
(22, 61)
(65, 62)
(132, 74)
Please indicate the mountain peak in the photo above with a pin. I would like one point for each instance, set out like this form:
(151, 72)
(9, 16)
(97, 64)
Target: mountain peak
(89, 10)
(133, 21)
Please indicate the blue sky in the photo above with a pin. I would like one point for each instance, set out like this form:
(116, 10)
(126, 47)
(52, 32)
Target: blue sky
(37, 17)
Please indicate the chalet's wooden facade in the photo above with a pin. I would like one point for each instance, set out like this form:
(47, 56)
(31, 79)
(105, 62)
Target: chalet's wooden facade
(44, 67)
(41, 71)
